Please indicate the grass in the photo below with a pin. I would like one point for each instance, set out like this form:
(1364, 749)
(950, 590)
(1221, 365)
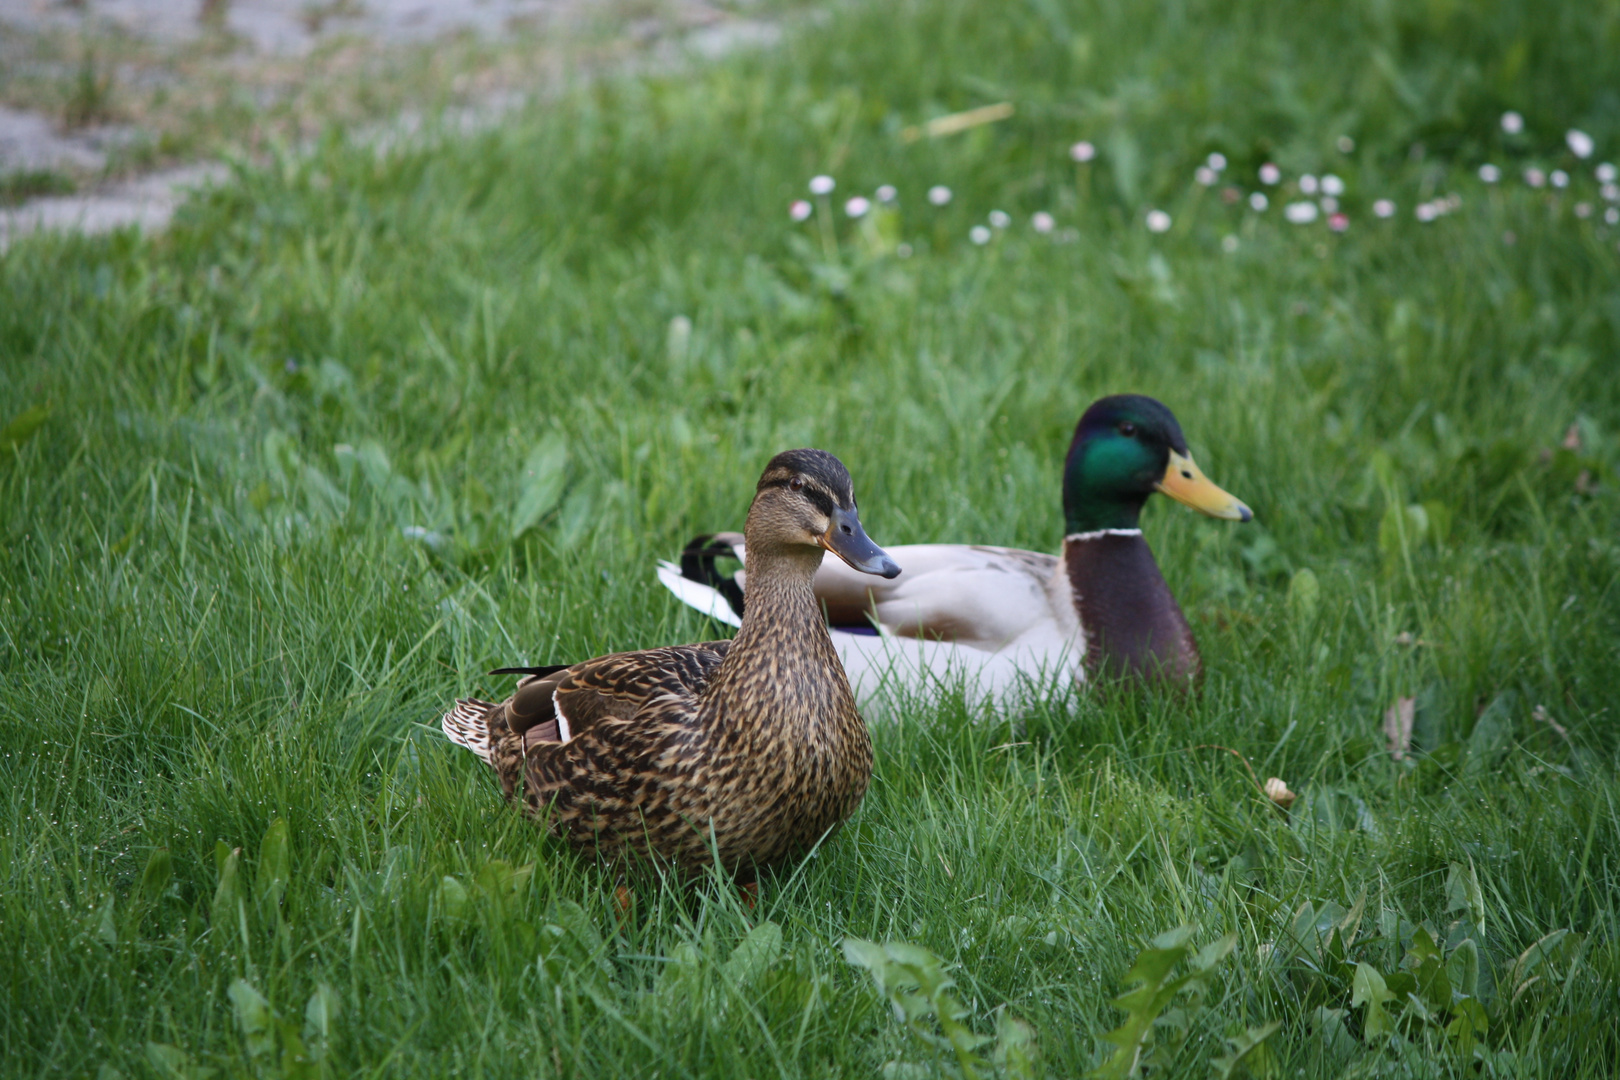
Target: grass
(264, 511)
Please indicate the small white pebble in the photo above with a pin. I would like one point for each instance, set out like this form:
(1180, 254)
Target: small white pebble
(800, 210)
(1384, 208)
(1000, 219)
(1512, 123)
(1229, 243)
(979, 235)
(939, 194)
(1580, 143)
(857, 206)
(1216, 161)
(1332, 185)
(1270, 174)
(886, 193)
(1300, 213)
(1042, 222)
(1206, 175)
(822, 185)
(1307, 184)
(1489, 173)
(1082, 151)
(1258, 202)
(1158, 221)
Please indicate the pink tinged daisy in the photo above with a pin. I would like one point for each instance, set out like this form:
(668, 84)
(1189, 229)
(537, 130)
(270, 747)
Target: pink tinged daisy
(979, 235)
(1512, 123)
(1307, 184)
(1535, 177)
(857, 206)
(1490, 173)
(1332, 185)
(1300, 213)
(1559, 178)
(1158, 221)
(1384, 208)
(939, 194)
(1082, 151)
(1270, 174)
(1339, 222)
(800, 210)
(887, 194)
(822, 185)
(1580, 143)
(1258, 202)
(1206, 175)
(1000, 219)
(1042, 222)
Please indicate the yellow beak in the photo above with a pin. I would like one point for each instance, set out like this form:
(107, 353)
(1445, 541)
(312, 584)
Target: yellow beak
(1186, 483)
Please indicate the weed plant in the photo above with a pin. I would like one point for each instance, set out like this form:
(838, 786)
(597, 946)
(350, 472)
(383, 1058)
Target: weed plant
(279, 484)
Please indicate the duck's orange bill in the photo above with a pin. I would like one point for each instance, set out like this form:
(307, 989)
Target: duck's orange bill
(1186, 483)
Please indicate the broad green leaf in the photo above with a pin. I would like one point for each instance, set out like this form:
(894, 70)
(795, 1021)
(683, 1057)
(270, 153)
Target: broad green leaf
(227, 860)
(320, 1016)
(1017, 1053)
(155, 878)
(1368, 989)
(541, 483)
(255, 1017)
(1462, 968)
(1249, 1054)
(107, 924)
(1304, 596)
(22, 427)
(452, 898)
(754, 954)
(275, 865)
(1464, 894)
(1535, 957)
(173, 1063)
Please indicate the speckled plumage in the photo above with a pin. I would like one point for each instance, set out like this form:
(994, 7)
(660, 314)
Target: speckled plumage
(751, 748)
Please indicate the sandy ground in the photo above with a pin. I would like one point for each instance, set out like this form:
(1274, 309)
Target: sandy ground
(158, 58)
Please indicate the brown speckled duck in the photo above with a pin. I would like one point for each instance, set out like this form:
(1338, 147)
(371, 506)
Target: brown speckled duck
(753, 745)
(1006, 620)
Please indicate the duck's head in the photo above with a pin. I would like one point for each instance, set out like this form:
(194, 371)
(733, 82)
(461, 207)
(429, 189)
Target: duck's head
(805, 500)
(1125, 448)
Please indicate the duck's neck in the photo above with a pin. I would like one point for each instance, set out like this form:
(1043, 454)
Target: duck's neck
(781, 598)
(1132, 623)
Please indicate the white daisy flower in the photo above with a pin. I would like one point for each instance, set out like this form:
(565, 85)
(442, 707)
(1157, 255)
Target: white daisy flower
(886, 193)
(1427, 212)
(1329, 204)
(1270, 174)
(1300, 213)
(1612, 216)
(1384, 208)
(822, 185)
(1535, 177)
(1489, 173)
(1229, 243)
(1082, 151)
(1583, 210)
(857, 206)
(800, 210)
(979, 235)
(1512, 123)
(939, 194)
(1580, 143)
(1042, 222)
(1345, 144)
(1205, 175)
(1216, 161)
(1606, 173)
(1000, 219)
(1332, 185)
(1258, 202)
(1158, 221)
(1559, 178)
(1307, 184)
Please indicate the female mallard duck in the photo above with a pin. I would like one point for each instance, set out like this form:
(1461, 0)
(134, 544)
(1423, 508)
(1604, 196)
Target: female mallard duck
(1005, 618)
(753, 745)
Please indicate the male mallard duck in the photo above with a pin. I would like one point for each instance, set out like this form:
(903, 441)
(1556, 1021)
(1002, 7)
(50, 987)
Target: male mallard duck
(1004, 617)
(752, 745)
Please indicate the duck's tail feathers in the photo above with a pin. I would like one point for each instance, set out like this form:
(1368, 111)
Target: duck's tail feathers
(698, 583)
(468, 725)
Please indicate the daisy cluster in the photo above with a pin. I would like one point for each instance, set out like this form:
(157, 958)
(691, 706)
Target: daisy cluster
(1303, 200)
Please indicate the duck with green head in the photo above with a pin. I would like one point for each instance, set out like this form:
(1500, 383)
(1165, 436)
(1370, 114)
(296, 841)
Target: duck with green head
(1007, 619)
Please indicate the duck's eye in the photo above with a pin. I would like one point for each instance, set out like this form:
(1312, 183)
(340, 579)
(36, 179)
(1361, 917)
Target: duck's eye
(796, 484)
(1127, 429)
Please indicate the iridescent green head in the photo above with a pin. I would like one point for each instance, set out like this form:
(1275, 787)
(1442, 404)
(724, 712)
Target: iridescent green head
(1125, 448)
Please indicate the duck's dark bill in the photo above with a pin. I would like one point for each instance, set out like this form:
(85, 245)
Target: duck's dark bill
(1186, 483)
(846, 539)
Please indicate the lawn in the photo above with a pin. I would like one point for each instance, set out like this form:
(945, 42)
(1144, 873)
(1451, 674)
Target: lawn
(279, 484)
